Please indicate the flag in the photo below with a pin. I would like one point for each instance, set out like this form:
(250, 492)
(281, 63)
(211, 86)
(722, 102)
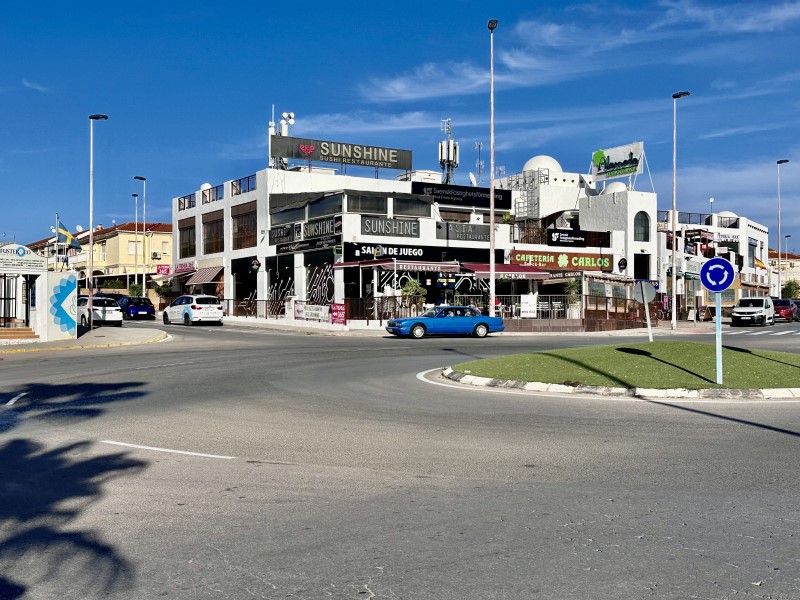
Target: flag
(65, 237)
(759, 263)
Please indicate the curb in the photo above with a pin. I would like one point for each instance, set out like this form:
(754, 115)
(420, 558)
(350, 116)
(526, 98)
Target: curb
(161, 336)
(674, 393)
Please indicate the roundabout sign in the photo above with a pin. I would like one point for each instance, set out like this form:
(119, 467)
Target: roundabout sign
(717, 275)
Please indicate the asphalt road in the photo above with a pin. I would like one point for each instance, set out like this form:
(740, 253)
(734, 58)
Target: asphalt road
(315, 466)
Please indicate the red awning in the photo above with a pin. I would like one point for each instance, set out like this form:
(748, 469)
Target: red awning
(506, 271)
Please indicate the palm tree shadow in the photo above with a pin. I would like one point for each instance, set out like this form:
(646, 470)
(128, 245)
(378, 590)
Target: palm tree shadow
(588, 367)
(44, 491)
(754, 355)
(640, 352)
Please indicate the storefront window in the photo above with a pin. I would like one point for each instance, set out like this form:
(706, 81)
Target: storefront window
(244, 230)
(213, 237)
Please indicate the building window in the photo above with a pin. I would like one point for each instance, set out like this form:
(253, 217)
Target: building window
(244, 230)
(165, 248)
(186, 202)
(752, 248)
(641, 227)
(329, 205)
(288, 216)
(375, 205)
(134, 248)
(411, 208)
(213, 194)
(186, 237)
(243, 185)
(213, 236)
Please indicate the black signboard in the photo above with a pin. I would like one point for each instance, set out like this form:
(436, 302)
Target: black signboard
(462, 195)
(359, 251)
(322, 227)
(573, 238)
(340, 153)
(305, 245)
(281, 234)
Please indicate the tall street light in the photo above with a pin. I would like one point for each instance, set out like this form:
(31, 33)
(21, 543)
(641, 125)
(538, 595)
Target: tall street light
(782, 161)
(674, 219)
(786, 254)
(144, 227)
(492, 27)
(90, 279)
(136, 238)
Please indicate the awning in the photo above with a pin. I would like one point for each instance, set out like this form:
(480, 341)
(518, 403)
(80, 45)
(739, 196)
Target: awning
(204, 275)
(507, 271)
(404, 265)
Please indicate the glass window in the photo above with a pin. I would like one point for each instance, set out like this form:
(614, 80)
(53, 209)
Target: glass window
(213, 237)
(367, 204)
(243, 185)
(213, 194)
(329, 205)
(411, 208)
(186, 242)
(752, 248)
(288, 216)
(244, 230)
(134, 248)
(164, 248)
(641, 227)
(186, 202)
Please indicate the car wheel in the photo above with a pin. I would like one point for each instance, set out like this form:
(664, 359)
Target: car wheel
(480, 330)
(764, 321)
(186, 320)
(165, 318)
(417, 331)
(83, 321)
(119, 323)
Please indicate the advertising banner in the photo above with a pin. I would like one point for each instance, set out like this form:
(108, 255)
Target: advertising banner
(566, 237)
(462, 195)
(338, 314)
(62, 296)
(563, 261)
(618, 162)
(340, 152)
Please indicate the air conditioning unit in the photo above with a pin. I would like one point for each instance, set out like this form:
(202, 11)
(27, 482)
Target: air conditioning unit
(156, 255)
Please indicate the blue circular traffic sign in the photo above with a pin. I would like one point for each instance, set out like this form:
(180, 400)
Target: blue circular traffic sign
(717, 274)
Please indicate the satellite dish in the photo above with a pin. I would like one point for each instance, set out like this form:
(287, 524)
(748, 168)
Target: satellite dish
(78, 228)
(472, 180)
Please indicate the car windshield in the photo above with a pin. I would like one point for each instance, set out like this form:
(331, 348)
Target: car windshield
(751, 303)
(431, 312)
(105, 302)
(206, 300)
(783, 303)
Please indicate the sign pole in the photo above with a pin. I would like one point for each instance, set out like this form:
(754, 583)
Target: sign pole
(646, 311)
(719, 338)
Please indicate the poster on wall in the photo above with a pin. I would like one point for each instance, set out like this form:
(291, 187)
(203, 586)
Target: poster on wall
(62, 297)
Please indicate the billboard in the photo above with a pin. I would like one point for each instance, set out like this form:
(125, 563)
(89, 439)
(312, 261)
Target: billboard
(339, 152)
(618, 162)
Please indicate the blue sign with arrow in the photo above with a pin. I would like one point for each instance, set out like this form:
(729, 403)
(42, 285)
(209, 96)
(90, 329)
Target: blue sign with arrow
(717, 274)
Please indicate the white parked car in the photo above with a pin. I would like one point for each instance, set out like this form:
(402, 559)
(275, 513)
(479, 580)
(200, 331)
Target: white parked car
(104, 311)
(753, 311)
(192, 309)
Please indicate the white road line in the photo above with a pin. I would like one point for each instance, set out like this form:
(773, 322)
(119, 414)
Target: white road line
(169, 450)
(758, 333)
(15, 398)
(165, 365)
(732, 332)
(783, 332)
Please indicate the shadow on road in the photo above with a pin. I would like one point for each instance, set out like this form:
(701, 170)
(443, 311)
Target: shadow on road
(724, 418)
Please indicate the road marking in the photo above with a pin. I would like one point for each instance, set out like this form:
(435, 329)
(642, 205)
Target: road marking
(758, 333)
(168, 450)
(732, 332)
(783, 332)
(15, 398)
(165, 365)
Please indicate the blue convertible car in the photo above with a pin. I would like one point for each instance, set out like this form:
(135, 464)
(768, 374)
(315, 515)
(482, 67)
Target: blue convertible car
(446, 320)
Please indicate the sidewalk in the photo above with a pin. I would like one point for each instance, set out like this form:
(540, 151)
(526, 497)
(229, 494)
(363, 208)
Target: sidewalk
(99, 337)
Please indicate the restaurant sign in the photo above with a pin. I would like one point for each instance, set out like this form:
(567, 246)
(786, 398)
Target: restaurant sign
(562, 261)
(389, 227)
(313, 244)
(462, 232)
(338, 152)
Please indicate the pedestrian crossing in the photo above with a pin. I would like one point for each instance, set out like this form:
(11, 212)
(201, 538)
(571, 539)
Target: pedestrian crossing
(770, 333)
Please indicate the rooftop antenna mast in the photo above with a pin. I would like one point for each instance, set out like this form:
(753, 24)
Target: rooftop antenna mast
(448, 152)
(479, 163)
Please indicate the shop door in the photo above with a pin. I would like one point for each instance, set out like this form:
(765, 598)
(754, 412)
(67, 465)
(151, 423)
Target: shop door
(8, 300)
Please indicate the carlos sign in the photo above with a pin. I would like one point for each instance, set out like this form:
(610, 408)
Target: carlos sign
(562, 261)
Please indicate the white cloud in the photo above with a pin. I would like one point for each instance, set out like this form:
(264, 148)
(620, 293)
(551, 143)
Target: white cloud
(35, 86)
(732, 18)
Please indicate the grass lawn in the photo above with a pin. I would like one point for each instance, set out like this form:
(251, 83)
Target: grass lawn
(656, 365)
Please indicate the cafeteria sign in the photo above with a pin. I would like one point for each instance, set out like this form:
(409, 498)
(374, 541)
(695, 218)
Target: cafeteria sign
(562, 261)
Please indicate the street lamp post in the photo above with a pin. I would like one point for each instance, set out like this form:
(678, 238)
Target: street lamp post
(782, 161)
(144, 227)
(136, 238)
(786, 254)
(90, 278)
(674, 219)
(492, 26)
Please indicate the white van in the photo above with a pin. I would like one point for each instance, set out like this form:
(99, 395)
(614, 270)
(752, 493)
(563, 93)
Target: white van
(753, 311)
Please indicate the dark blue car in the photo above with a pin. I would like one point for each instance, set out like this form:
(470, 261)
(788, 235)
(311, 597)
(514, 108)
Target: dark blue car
(446, 320)
(136, 307)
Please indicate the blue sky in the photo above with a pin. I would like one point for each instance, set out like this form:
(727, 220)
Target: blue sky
(189, 87)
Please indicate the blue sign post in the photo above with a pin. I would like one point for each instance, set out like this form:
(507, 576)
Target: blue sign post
(717, 275)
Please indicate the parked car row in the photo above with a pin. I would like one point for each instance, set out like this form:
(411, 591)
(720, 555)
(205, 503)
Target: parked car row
(112, 309)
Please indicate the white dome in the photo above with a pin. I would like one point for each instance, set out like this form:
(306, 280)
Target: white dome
(205, 186)
(543, 162)
(727, 213)
(615, 187)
